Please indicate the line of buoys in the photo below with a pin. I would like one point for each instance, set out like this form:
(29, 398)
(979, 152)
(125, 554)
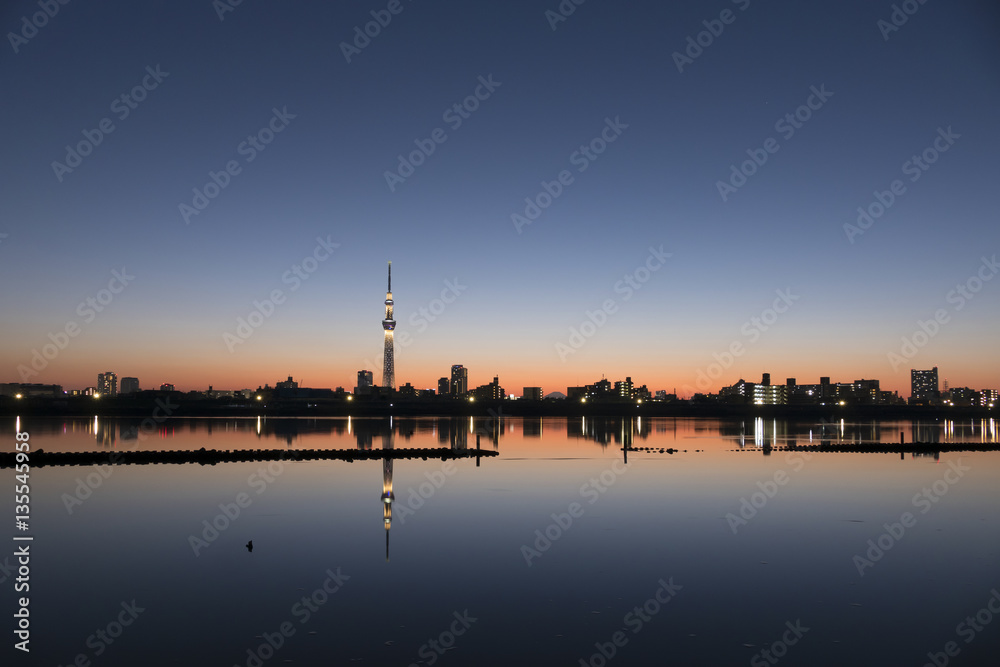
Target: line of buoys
(40, 458)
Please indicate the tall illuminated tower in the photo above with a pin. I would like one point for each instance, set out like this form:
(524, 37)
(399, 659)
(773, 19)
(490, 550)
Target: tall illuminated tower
(389, 325)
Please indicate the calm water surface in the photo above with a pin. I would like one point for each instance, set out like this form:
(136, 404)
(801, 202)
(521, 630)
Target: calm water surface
(553, 553)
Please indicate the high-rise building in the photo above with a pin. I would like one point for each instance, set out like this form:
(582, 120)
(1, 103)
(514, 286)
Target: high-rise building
(166, 386)
(924, 384)
(130, 385)
(532, 394)
(624, 389)
(444, 387)
(459, 380)
(490, 392)
(365, 383)
(107, 384)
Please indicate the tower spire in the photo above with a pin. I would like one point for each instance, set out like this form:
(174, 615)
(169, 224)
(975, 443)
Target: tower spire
(388, 325)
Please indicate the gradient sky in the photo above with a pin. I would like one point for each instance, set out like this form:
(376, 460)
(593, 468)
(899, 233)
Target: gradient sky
(323, 176)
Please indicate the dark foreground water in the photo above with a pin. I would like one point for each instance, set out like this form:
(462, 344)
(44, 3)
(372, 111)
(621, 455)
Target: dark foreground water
(728, 551)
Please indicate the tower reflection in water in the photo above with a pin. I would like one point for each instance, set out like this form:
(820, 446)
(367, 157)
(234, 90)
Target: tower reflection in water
(387, 495)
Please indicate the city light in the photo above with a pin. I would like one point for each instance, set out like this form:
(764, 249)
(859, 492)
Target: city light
(350, 398)
(259, 398)
(19, 396)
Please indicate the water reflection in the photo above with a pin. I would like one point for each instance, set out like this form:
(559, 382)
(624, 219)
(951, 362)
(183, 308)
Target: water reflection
(387, 495)
(461, 433)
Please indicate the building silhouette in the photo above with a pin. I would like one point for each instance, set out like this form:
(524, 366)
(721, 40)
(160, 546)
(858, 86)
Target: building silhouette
(388, 325)
(365, 383)
(490, 392)
(107, 384)
(130, 385)
(459, 380)
(923, 385)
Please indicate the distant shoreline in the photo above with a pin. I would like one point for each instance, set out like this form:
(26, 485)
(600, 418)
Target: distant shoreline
(175, 404)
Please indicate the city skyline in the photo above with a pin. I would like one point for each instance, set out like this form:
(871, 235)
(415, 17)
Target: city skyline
(643, 190)
(924, 386)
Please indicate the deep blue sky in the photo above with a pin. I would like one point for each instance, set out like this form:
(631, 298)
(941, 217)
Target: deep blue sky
(656, 184)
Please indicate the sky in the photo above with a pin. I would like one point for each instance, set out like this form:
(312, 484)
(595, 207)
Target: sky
(665, 191)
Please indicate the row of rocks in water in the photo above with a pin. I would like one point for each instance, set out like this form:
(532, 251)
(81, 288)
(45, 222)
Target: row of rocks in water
(41, 458)
(887, 447)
